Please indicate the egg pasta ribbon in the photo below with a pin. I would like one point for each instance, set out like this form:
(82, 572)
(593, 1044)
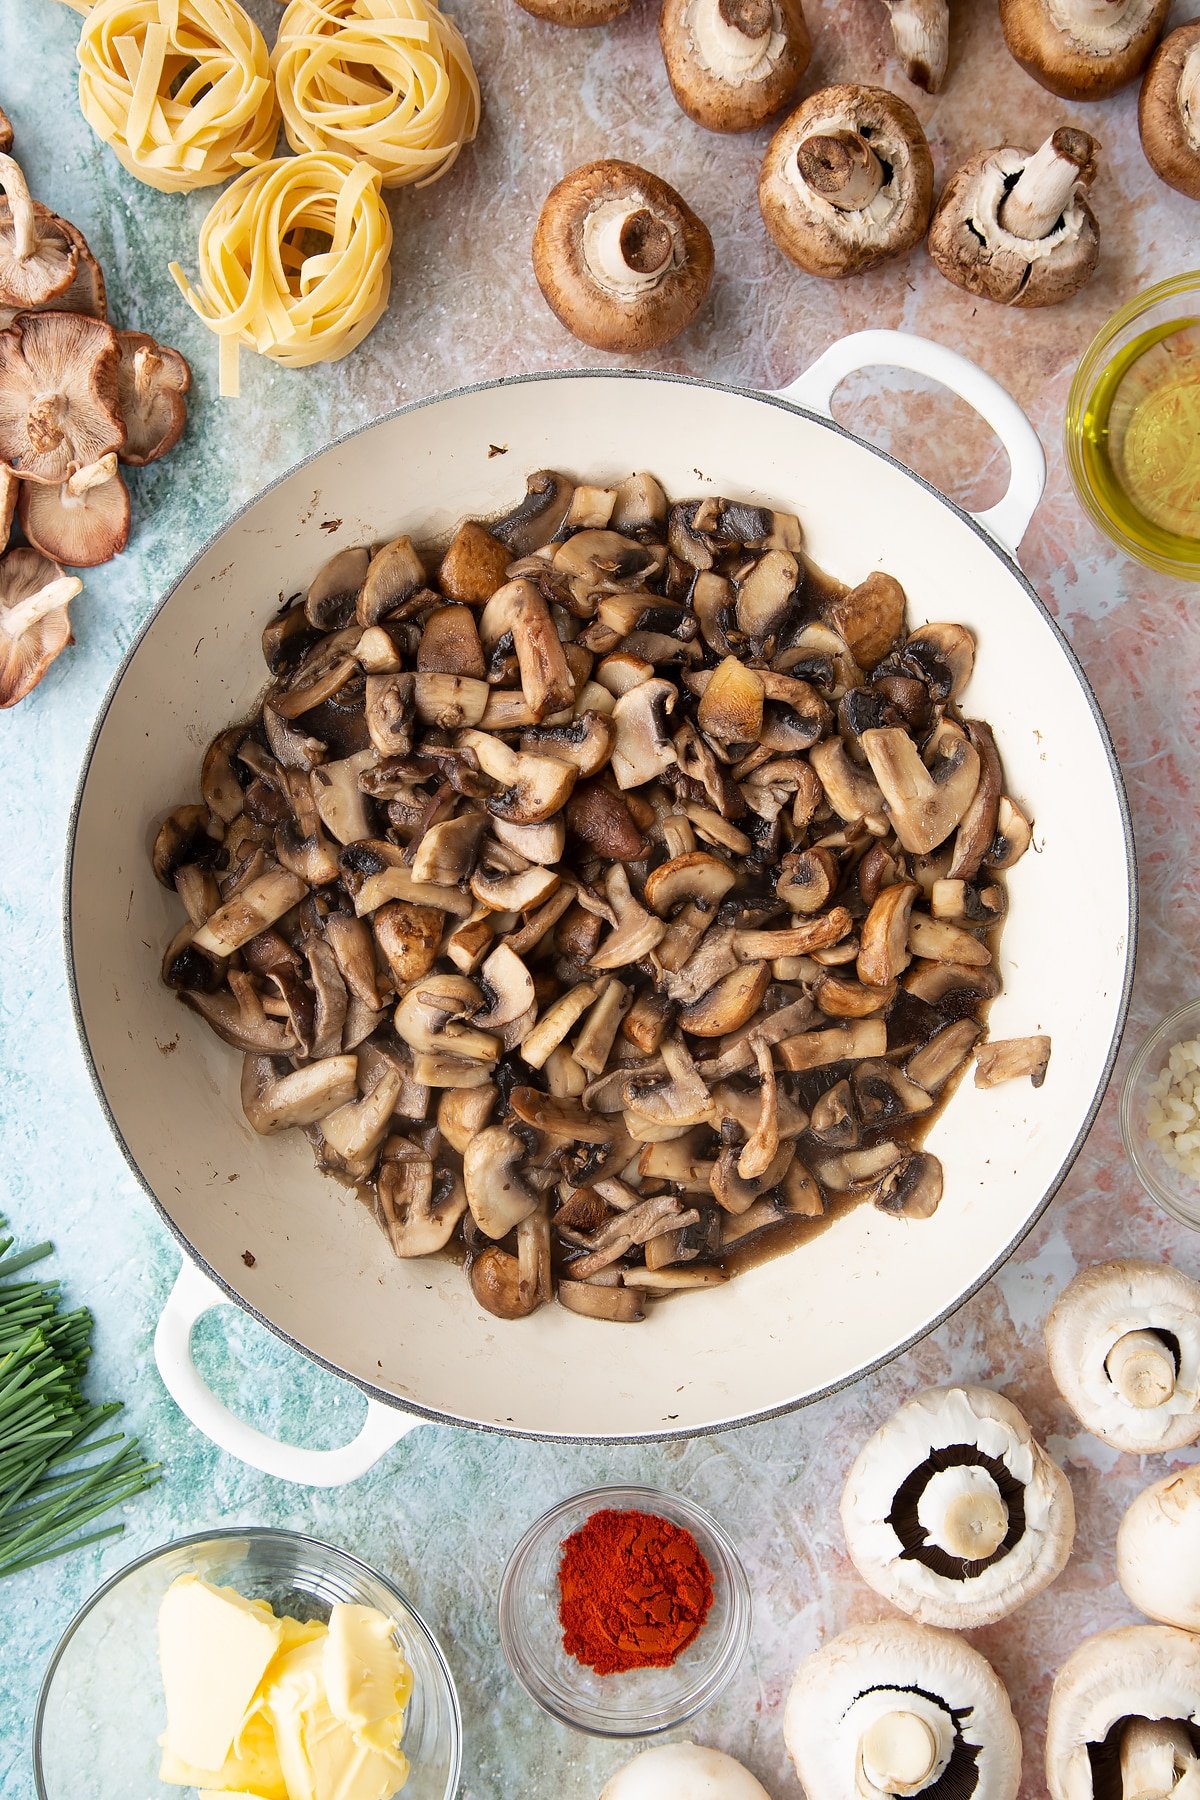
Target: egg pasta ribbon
(294, 262)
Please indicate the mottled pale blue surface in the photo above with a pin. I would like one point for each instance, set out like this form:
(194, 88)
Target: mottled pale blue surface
(444, 1508)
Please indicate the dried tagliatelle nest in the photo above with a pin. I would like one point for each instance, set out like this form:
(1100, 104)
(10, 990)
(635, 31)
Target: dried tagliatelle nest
(607, 891)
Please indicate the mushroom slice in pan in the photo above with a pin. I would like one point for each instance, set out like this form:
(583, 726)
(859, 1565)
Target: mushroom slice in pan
(34, 627)
(1169, 110)
(518, 611)
(38, 258)
(921, 29)
(496, 1195)
(1082, 49)
(430, 1018)
(1134, 1693)
(59, 408)
(420, 1211)
(620, 257)
(641, 748)
(83, 522)
(1013, 225)
(732, 64)
(275, 1099)
(847, 181)
(1011, 1059)
(954, 1513)
(619, 1305)
(1123, 1342)
(926, 795)
(151, 383)
(898, 1708)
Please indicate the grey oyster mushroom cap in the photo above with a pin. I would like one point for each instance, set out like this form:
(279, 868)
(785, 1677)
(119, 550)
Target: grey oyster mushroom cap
(1083, 49)
(921, 29)
(620, 257)
(1013, 225)
(1145, 1678)
(1123, 1341)
(1169, 110)
(954, 1513)
(733, 64)
(847, 181)
(895, 1709)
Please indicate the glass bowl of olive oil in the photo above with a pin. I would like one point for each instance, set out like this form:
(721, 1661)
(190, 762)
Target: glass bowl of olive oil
(1133, 427)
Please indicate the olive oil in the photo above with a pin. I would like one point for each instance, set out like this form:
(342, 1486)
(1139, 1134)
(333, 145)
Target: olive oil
(1140, 442)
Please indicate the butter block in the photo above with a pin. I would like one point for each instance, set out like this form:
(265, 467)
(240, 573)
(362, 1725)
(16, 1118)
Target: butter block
(363, 1668)
(344, 1768)
(252, 1766)
(214, 1648)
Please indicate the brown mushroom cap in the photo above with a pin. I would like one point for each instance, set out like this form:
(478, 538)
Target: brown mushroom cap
(59, 406)
(575, 12)
(1072, 48)
(621, 258)
(151, 383)
(732, 64)
(1169, 110)
(34, 627)
(83, 522)
(6, 131)
(975, 241)
(37, 258)
(847, 181)
(86, 293)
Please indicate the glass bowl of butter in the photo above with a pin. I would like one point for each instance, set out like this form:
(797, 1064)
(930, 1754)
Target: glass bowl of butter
(255, 1664)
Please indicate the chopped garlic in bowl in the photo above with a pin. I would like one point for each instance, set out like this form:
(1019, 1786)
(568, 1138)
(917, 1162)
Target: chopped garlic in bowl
(1160, 1114)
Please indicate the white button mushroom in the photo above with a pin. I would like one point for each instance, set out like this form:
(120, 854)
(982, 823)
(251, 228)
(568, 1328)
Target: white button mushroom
(1124, 1347)
(683, 1772)
(954, 1513)
(894, 1709)
(1144, 1679)
(1158, 1550)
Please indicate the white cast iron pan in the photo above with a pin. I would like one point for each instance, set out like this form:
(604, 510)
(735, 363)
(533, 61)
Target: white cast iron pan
(323, 1277)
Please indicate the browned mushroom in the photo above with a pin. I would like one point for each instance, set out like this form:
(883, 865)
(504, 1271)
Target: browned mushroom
(1169, 110)
(732, 64)
(847, 181)
(621, 258)
(1014, 226)
(151, 383)
(1083, 49)
(59, 404)
(34, 627)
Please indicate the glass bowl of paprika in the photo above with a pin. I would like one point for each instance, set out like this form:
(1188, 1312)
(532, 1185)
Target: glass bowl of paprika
(624, 1611)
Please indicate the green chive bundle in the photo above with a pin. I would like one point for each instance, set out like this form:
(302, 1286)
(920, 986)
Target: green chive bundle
(56, 1475)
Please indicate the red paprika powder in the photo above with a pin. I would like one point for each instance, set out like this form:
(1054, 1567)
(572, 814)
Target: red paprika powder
(634, 1591)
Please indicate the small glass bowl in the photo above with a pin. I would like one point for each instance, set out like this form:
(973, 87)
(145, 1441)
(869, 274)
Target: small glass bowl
(643, 1701)
(1174, 1191)
(1161, 310)
(100, 1710)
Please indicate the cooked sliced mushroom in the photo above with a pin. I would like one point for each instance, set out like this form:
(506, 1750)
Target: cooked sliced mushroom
(847, 181)
(532, 788)
(420, 1219)
(619, 1305)
(729, 1003)
(954, 1513)
(620, 257)
(732, 64)
(1010, 1059)
(926, 796)
(495, 1193)
(1082, 49)
(258, 903)
(1014, 834)
(833, 1044)
(641, 748)
(1169, 110)
(518, 611)
(151, 383)
(884, 951)
(945, 1053)
(275, 1101)
(1013, 225)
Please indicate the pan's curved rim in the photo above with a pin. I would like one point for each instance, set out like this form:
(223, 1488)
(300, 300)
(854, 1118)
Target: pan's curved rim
(431, 1414)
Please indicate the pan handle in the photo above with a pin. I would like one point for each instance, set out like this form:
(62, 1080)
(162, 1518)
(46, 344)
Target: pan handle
(191, 1297)
(1008, 520)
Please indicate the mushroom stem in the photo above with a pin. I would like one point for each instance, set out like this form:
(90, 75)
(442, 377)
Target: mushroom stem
(1043, 189)
(628, 248)
(1157, 1760)
(842, 168)
(147, 366)
(17, 620)
(1095, 12)
(1142, 1369)
(20, 203)
(963, 1513)
(898, 1753)
(732, 35)
(921, 29)
(92, 475)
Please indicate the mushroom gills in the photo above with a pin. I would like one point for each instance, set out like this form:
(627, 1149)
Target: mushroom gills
(958, 1512)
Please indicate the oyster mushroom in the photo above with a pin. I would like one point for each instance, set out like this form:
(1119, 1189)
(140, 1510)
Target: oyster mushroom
(34, 628)
(38, 256)
(921, 29)
(1158, 1550)
(1083, 49)
(83, 522)
(151, 383)
(683, 1772)
(732, 64)
(898, 1708)
(59, 403)
(1169, 110)
(621, 258)
(847, 181)
(953, 1512)
(1136, 1692)
(1014, 226)
(1123, 1340)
